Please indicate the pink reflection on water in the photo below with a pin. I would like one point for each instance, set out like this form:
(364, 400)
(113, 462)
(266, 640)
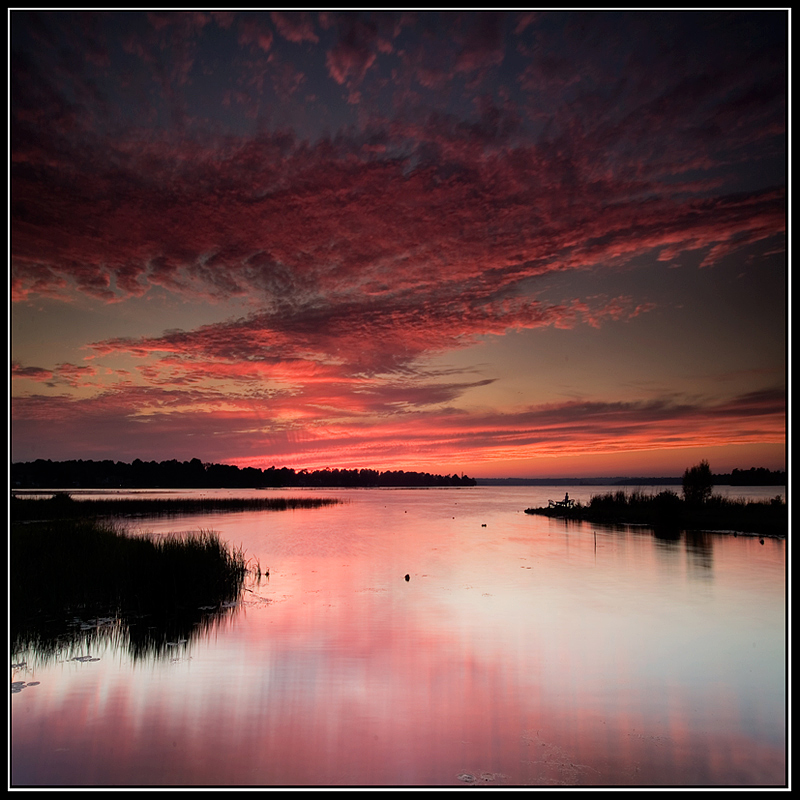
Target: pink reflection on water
(519, 654)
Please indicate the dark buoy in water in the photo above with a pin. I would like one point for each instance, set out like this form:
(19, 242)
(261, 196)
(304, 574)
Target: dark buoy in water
(408, 577)
(761, 540)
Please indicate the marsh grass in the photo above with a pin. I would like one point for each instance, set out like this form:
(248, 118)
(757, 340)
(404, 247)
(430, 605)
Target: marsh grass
(667, 511)
(63, 506)
(63, 570)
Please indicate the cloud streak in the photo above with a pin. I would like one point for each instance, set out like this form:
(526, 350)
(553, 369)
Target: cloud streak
(279, 429)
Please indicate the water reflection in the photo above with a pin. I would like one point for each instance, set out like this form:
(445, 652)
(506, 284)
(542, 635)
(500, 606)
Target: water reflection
(700, 551)
(520, 653)
(79, 585)
(152, 634)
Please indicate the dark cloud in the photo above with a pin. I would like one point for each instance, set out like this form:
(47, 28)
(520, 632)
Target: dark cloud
(255, 33)
(69, 374)
(356, 339)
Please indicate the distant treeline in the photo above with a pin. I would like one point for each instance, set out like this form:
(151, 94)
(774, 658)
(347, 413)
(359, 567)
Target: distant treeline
(194, 474)
(755, 476)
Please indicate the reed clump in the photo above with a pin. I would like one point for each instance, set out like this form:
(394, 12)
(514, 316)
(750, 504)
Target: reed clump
(63, 506)
(86, 566)
(666, 510)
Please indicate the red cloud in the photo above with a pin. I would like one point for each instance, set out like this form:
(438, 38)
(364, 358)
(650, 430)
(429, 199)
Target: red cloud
(298, 345)
(145, 424)
(295, 26)
(253, 32)
(75, 375)
(360, 39)
(300, 219)
(350, 60)
(366, 239)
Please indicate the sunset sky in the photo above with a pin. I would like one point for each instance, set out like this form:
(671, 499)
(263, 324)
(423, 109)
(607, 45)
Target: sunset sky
(506, 244)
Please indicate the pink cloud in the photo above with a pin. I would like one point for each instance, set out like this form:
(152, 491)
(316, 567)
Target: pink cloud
(295, 26)
(360, 40)
(252, 32)
(349, 61)
(76, 375)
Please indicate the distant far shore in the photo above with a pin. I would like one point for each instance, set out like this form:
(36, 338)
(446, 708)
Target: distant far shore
(744, 477)
(194, 474)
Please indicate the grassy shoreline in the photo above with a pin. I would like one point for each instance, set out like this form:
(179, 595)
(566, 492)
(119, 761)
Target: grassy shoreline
(69, 569)
(76, 560)
(667, 511)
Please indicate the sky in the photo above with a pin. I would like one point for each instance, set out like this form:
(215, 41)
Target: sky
(506, 244)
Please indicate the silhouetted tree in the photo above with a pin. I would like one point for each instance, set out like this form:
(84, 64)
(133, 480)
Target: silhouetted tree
(697, 483)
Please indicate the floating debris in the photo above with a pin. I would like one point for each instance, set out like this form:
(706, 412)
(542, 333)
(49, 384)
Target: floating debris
(467, 778)
(84, 659)
(19, 665)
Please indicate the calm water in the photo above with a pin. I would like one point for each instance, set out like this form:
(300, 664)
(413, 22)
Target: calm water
(521, 651)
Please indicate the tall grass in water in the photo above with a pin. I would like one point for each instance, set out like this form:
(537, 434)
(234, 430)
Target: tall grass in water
(664, 508)
(83, 568)
(666, 511)
(63, 506)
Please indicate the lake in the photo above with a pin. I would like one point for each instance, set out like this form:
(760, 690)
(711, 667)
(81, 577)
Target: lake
(520, 651)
